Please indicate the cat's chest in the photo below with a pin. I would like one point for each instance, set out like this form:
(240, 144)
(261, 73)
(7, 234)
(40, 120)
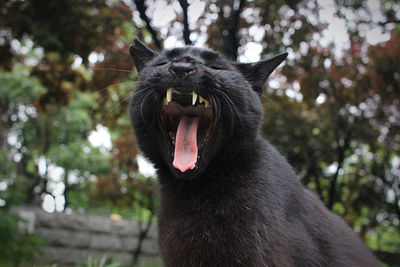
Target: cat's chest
(209, 238)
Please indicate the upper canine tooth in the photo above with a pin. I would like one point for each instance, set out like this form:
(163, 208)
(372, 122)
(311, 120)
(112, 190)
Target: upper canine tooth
(194, 98)
(169, 95)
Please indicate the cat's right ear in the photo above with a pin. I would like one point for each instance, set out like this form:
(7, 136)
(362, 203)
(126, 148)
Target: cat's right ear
(257, 73)
(140, 54)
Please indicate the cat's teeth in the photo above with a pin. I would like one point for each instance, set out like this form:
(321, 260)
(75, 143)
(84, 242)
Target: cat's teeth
(194, 165)
(168, 98)
(202, 100)
(169, 95)
(194, 98)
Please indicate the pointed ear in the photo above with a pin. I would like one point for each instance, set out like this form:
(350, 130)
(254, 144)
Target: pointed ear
(258, 72)
(140, 54)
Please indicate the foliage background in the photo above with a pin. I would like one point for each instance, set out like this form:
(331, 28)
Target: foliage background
(332, 109)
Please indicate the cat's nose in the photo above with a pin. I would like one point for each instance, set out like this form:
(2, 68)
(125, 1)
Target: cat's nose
(182, 69)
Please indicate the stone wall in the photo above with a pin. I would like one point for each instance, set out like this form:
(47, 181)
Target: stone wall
(73, 238)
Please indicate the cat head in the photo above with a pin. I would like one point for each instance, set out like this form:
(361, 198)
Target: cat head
(193, 109)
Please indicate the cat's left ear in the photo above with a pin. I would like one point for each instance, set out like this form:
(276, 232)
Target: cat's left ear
(258, 72)
(140, 54)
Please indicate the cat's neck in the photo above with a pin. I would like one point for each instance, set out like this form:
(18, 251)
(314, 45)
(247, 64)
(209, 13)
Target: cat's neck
(228, 172)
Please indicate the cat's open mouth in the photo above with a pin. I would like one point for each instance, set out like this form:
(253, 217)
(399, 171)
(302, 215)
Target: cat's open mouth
(187, 119)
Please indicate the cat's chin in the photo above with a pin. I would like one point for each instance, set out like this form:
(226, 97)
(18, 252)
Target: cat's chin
(186, 122)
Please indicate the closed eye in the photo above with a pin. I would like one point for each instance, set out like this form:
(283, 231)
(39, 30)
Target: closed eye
(160, 63)
(216, 67)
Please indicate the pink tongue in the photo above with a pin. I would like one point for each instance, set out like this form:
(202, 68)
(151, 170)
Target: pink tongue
(185, 156)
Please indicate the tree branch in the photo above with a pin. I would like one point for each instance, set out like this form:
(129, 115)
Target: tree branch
(383, 23)
(231, 41)
(186, 31)
(312, 171)
(141, 7)
(389, 20)
(30, 191)
(144, 232)
(341, 151)
(381, 173)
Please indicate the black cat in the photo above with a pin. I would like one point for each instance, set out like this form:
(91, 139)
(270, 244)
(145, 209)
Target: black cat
(228, 198)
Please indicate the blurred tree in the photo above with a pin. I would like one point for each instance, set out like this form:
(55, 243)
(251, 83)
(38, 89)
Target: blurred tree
(38, 141)
(65, 70)
(54, 134)
(67, 26)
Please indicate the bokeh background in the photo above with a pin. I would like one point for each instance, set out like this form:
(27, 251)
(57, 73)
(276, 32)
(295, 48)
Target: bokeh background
(67, 147)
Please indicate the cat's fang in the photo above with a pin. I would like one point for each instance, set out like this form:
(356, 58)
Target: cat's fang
(194, 98)
(169, 95)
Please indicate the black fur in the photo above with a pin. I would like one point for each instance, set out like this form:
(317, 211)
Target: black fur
(243, 205)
